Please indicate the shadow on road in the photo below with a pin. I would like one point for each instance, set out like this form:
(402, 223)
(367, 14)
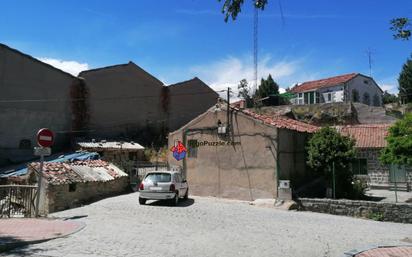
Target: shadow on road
(182, 203)
(13, 245)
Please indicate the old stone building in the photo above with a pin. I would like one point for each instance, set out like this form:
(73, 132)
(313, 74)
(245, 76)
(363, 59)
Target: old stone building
(126, 101)
(244, 160)
(34, 95)
(68, 185)
(370, 140)
(188, 100)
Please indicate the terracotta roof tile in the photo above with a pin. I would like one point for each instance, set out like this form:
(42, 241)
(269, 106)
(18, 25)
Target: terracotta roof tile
(366, 135)
(321, 83)
(283, 122)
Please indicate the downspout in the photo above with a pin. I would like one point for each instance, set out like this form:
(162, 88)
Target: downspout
(277, 162)
(184, 138)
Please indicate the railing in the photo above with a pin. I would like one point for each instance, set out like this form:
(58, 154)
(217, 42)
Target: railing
(17, 201)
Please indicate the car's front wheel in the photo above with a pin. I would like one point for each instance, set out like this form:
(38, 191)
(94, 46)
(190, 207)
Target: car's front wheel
(142, 201)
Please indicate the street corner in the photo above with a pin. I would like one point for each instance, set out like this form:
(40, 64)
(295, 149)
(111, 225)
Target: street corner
(382, 251)
(18, 232)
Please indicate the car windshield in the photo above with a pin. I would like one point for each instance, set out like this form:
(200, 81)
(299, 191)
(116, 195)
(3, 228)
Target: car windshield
(158, 177)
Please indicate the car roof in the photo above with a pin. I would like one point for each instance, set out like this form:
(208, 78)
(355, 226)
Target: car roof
(163, 171)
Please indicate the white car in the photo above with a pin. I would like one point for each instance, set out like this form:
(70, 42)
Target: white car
(163, 185)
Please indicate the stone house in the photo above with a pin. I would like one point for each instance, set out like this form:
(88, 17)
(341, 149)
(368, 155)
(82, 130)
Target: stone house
(68, 185)
(370, 140)
(187, 100)
(353, 87)
(125, 101)
(242, 160)
(34, 95)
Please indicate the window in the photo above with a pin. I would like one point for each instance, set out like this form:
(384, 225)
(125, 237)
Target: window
(329, 97)
(306, 97)
(366, 82)
(192, 148)
(355, 96)
(366, 98)
(317, 97)
(158, 177)
(360, 167)
(300, 98)
(25, 144)
(72, 187)
(132, 156)
(376, 100)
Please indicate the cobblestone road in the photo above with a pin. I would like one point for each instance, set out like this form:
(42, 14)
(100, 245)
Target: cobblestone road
(118, 226)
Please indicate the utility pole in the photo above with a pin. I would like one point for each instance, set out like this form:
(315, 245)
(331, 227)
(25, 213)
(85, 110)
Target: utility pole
(228, 108)
(334, 180)
(369, 53)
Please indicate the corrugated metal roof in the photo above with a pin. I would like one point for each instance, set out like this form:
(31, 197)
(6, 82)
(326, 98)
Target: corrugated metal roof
(79, 171)
(64, 158)
(111, 145)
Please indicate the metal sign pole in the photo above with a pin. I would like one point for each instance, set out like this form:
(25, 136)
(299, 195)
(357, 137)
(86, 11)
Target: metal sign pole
(39, 177)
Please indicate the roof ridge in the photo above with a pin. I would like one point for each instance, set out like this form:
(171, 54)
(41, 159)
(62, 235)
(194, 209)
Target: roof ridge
(105, 67)
(332, 77)
(185, 81)
(36, 60)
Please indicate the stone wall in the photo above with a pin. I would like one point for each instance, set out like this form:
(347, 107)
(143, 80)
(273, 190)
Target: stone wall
(378, 174)
(395, 212)
(59, 197)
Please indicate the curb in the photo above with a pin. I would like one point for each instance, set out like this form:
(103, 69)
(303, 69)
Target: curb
(13, 245)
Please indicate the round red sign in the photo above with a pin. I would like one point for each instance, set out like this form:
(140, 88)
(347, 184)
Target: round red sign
(45, 137)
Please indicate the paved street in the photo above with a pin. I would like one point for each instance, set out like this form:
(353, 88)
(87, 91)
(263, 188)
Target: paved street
(118, 226)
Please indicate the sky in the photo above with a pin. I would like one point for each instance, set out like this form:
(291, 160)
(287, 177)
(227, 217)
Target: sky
(176, 40)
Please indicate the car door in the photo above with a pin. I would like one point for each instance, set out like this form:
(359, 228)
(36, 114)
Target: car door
(180, 185)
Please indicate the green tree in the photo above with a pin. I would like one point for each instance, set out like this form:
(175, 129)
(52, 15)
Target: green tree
(326, 147)
(401, 28)
(266, 88)
(405, 82)
(399, 148)
(388, 98)
(231, 8)
(244, 93)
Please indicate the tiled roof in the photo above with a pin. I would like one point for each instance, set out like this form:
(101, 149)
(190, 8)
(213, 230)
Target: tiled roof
(79, 171)
(283, 122)
(367, 135)
(112, 145)
(321, 83)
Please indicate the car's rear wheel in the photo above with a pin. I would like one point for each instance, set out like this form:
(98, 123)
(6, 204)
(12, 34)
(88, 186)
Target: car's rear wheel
(187, 194)
(142, 201)
(175, 199)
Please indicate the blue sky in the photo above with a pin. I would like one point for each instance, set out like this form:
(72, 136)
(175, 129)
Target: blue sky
(176, 40)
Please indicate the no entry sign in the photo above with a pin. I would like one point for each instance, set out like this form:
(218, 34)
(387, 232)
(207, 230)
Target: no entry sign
(45, 137)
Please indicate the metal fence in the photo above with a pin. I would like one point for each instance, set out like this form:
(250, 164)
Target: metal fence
(141, 168)
(17, 201)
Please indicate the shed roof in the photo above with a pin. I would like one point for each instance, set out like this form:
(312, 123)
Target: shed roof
(111, 145)
(322, 83)
(79, 171)
(366, 135)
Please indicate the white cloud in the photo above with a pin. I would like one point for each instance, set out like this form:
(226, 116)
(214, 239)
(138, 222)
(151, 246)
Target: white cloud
(71, 67)
(227, 72)
(391, 88)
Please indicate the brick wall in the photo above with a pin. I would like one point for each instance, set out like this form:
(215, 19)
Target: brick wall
(60, 198)
(395, 212)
